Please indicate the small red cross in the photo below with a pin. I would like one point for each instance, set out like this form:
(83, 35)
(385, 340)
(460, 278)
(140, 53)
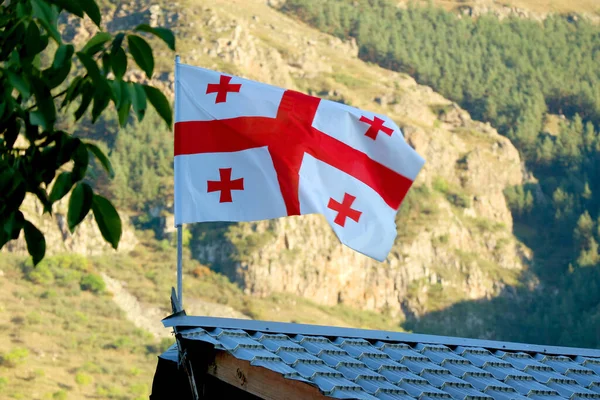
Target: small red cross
(344, 209)
(376, 126)
(222, 88)
(225, 185)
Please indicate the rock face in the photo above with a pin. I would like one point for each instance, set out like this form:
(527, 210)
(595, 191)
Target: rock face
(455, 239)
(455, 230)
(86, 239)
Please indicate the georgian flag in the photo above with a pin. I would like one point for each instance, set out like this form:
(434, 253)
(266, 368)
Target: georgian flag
(247, 151)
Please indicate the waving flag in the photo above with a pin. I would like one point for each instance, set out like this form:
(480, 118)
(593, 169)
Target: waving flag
(247, 151)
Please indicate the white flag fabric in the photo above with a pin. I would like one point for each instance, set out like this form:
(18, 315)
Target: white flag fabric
(358, 215)
(247, 151)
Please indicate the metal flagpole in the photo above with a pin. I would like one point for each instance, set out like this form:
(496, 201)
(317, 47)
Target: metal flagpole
(179, 268)
(179, 227)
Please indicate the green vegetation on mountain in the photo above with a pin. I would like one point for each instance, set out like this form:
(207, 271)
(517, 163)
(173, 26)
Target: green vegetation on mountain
(519, 75)
(44, 79)
(63, 337)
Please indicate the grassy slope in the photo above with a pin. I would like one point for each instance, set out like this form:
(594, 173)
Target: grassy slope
(59, 342)
(149, 274)
(62, 342)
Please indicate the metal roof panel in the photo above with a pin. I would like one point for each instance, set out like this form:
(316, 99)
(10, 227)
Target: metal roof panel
(522, 361)
(443, 379)
(419, 390)
(354, 372)
(351, 394)
(461, 370)
(505, 395)
(251, 354)
(183, 321)
(420, 366)
(466, 393)
(530, 387)
(328, 384)
(396, 376)
(584, 378)
(311, 370)
(277, 366)
(376, 363)
(573, 390)
(505, 372)
(393, 396)
(484, 383)
(390, 366)
(376, 386)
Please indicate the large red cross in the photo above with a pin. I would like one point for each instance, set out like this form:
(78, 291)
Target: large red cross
(288, 136)
(344, 209)
(225, 185)
(376, 126)
(222, 88)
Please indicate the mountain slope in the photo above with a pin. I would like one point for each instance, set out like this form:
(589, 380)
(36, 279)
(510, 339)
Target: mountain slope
(455, 237)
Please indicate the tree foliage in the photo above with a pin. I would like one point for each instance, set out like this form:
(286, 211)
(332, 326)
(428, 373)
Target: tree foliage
(513, 73)
(42, 80)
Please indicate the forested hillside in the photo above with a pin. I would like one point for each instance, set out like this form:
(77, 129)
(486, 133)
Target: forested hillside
(538, 84)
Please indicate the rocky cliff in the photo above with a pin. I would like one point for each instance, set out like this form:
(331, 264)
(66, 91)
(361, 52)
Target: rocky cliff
(455, 238)
(86, 239)
(455, 231)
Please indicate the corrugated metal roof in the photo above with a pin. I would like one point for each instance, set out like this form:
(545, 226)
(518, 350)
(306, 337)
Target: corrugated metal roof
(371, 367)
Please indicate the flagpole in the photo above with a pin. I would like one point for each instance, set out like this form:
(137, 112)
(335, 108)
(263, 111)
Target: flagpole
(179, 227)
(179, 268)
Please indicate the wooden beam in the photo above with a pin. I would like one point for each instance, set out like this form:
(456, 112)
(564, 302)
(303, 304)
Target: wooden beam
(259, 381)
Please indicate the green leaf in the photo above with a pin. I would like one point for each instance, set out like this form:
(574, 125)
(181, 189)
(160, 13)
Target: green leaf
(61, 186)
(91, 9)
(108, 220)
(71, 6)
(96, 43)
(35, 42)
(142, 54)
(73, 91)
(118, 41)
(91, 66)
(79, 204)
(61, 66)
(63, 56)
(11, 39)
(106, 64)
(47, 15)
(124, 103)
(18, 83)
(46, 111)
(165, 34)
(87, 94)
(6, 177)
(23, 11)
(160, 103)
(42, 196)
(138, 99)
(37, 118)
(102, 158)
(102, 97)
(36, 243)
(81, 160)
(119, 62)
(13, 225)
(116, 89)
